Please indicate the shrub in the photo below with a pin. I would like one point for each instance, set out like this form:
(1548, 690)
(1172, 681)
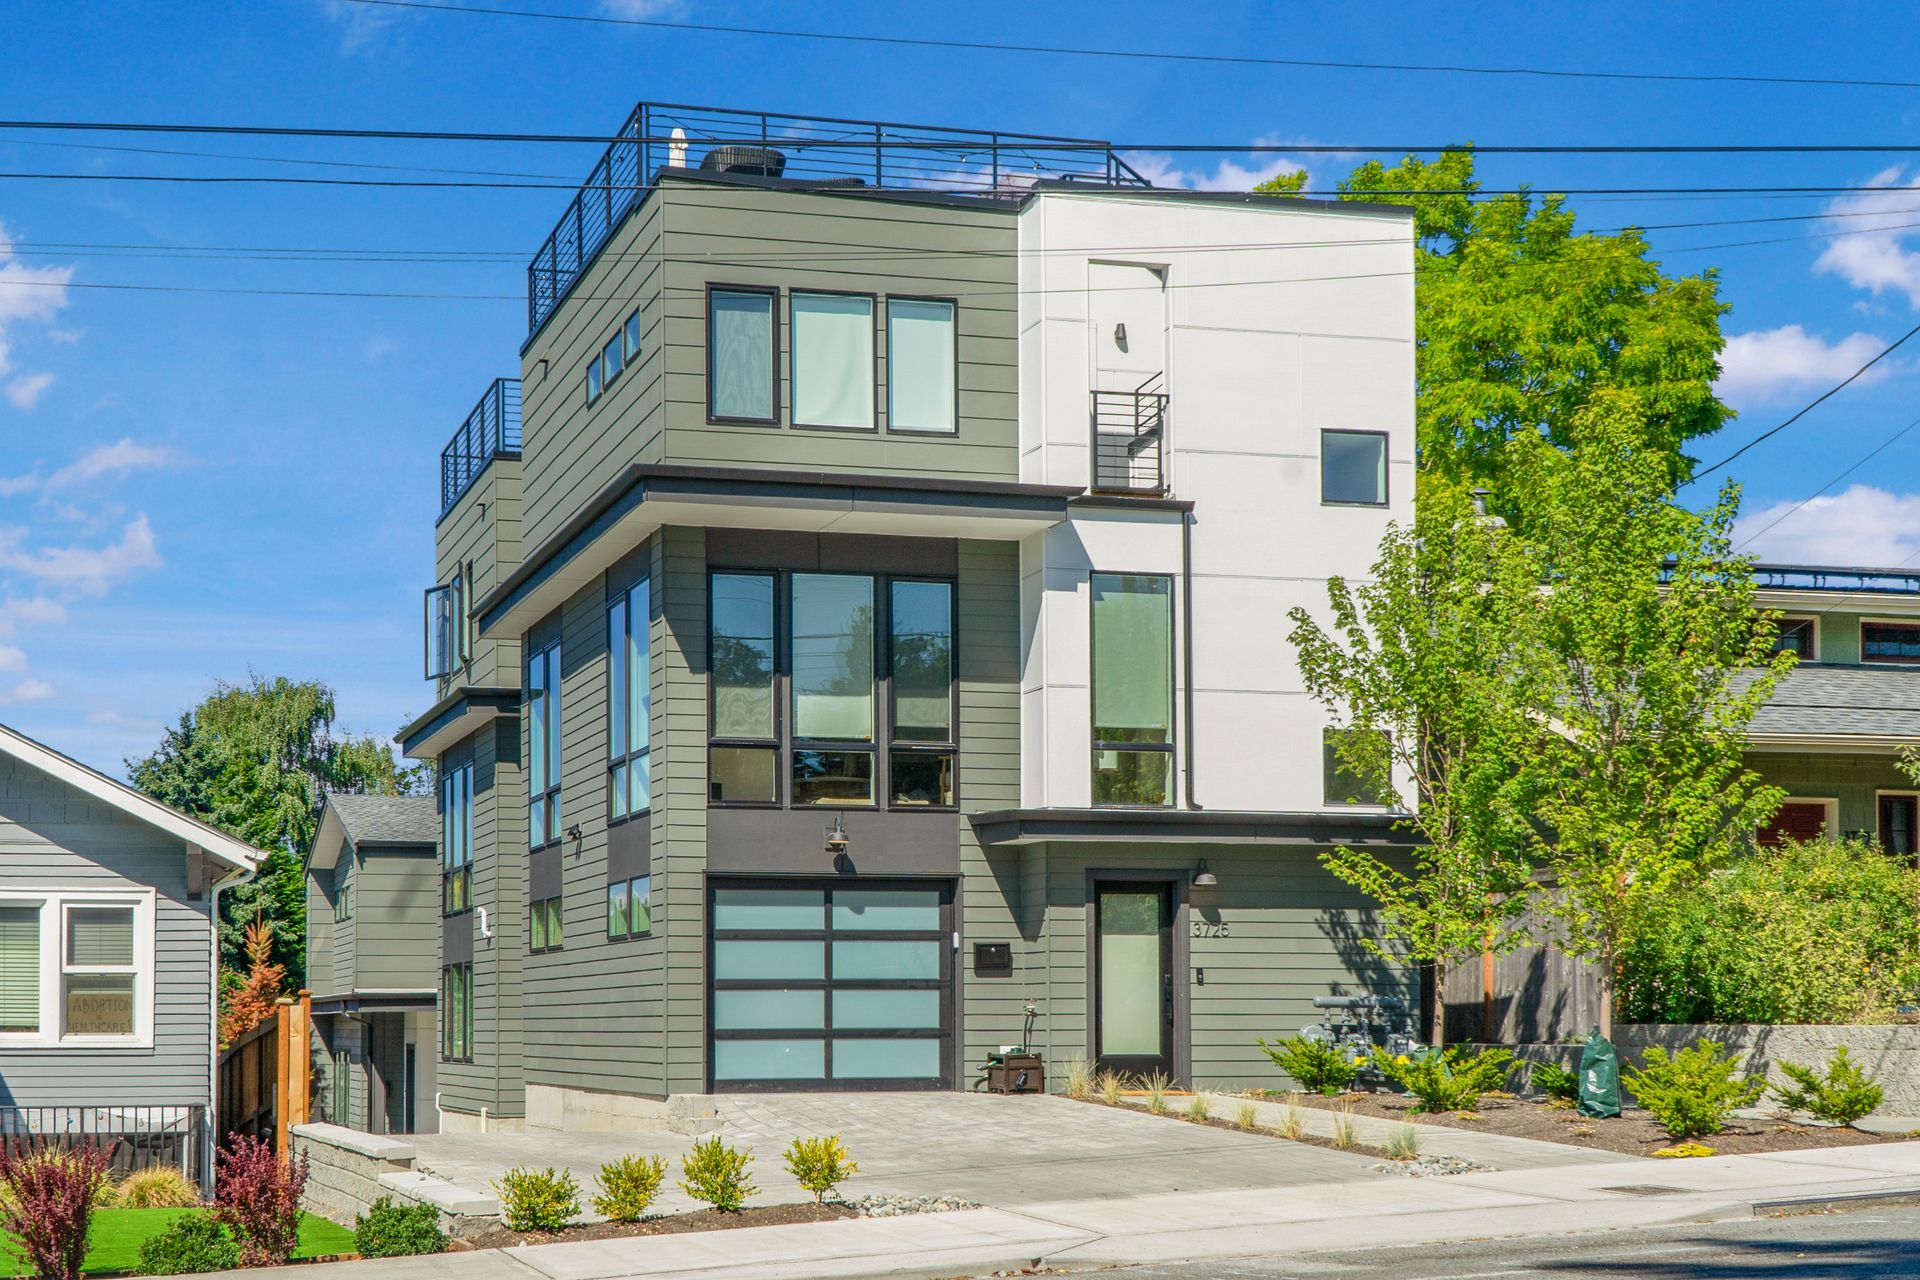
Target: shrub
(537, 1199)
(1246, 1115)
(1692, 1092)
(1156, 1086)
(1449, 1081)
(1555, 1081)
(257, 1197)
(628, 1186)
(1110, 1085)
(820, 1164)
(1293, 1119)
(1403, 1143)
(716, 1174)
(48, 1206)
(1199, 1111)
(1816, 932)
(1315, 1066)
(161, 1187)
(389, 1230)
(191, 1243)
(1346, 1130)
(1844, 1094)
(1079, 1082)
(1684, 1151)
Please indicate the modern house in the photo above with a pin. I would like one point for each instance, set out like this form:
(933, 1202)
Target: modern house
(863, 618)
(373, 961)
(107, 959)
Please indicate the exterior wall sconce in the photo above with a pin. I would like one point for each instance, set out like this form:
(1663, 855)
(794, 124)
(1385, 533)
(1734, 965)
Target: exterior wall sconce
(1203, 878)
(837, 841)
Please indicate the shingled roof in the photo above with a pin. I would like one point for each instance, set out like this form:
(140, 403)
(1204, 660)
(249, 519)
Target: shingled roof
(386, 820)
(1816, 700)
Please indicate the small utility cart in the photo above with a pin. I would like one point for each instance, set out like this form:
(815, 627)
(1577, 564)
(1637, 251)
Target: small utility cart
(1015, 1069)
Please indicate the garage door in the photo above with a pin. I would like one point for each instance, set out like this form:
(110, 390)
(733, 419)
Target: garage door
(831, 985)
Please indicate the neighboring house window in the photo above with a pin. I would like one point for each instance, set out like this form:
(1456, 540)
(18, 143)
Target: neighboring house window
(1900, 823)
(19, 970)
(745, 747)
(543, 746)
(342, 1093)
(1340, 783)
(456, 1013)
(343, 901)
(920, 670)
(1796, 820)
(97, 974)
(833, 685)
(593, 377)
(76, 967)
(1132, 689)
(1353, 468)
(630, 907)
(922, 365)
(629, 701)
(740, 355)
(630, 337)
(456, 840)
(1890, 642)
(1795, 635)
(832, 359)
(546, 930)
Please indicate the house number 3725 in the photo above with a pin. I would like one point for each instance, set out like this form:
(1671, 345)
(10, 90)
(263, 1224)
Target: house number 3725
(1210, 929)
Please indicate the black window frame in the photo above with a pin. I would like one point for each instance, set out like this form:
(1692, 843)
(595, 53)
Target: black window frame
(1386, 469)
(461, 873)
(630, 338)
(553, 810)
(627, 883)
(785, 744)
(1171, 747)
(772, 294)
(595, 379)
(954, 302)
(618, 702)
(456, 1041)
(549, 910)
(448, 655)
(1891, 624)
(873, 361)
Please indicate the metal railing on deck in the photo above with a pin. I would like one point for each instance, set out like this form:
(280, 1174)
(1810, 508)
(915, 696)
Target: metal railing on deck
(141, 1137)
(813, 150)
(1129, 439)
(491, 431)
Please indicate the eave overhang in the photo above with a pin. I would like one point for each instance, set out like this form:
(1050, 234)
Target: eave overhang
(1006, 828)
(460, 713)
(401, 1001)
(1842, 743)
(645, 496)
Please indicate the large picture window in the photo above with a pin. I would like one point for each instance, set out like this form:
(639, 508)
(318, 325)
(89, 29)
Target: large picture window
(456, 840)
(740, 355)
(456, 1013)
(922, 365)
(76, 968)
(1890, 642)
(543, 746)
(832, 359)
(1132, 689)
(629, 701)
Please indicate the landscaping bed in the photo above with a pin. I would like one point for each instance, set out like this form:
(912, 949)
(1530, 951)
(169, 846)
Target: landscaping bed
(118, 1234)
(769, 1215)
(1633, 1132)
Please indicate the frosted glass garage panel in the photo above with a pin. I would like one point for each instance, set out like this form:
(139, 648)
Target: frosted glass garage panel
(803, 1010)
(865, 960)
(770, 909)
(870, 1010)
(769, 1060)
(886, 909)
(750, 959)
(886, 1059)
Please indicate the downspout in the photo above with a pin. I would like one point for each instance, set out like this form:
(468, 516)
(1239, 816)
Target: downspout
(208, 1140)
(1186, 644)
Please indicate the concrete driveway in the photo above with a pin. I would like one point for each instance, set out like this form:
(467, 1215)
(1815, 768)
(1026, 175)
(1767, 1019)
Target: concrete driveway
(1006, 1152)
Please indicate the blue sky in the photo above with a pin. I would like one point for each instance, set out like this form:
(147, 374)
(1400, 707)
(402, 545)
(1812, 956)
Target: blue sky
(198, 484)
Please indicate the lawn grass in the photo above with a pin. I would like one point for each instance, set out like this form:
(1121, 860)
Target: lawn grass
(118, 1234)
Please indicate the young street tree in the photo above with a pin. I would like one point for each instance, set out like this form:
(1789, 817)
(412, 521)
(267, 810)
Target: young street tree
(1426, 668)
(1657, 660)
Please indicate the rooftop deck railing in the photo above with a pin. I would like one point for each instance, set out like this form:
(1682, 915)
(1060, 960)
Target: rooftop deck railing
(1800, 577)
(811, 150)
(491, 431)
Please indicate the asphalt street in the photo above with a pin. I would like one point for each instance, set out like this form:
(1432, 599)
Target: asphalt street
(1858, 1246)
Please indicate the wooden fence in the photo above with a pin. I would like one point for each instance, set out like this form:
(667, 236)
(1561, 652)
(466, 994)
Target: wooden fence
(266, 1076)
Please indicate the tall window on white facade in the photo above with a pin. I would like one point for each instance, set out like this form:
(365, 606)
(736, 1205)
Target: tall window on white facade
(19, 969)
(543, 746)
(1353, 468)
(1132, 689)
(740, 350)
(832, 360)
(629, 701)
(922, 365)
(456, 840)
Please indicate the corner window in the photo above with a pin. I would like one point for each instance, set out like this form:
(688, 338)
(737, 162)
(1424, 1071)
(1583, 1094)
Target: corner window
(832, 360)
(1890, 642)
(456, 1013)
(1796, 636)
(19, 969)
(922, 365)
(594, 377)
(630, 907)
(1132, 689)
(629, 701)
(1353, 468)
(543, 746)
(456, 840)
(740, 355)
(1341, 782)
(742, 756)
(630, 338)
(441, 640)
(546, 930)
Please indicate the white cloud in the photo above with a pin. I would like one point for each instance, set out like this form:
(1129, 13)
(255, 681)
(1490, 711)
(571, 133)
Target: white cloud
(1860, 525)
(639, 9)
(1767, 362)
(28, 690)
(12, 659)
(360, 24)
(82, 570)
(118, 458)
(1227, 175)
(27, 294)
(1873, 254)
(25, 392)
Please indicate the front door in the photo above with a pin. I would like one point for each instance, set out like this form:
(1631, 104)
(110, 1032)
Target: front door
(1133, 977)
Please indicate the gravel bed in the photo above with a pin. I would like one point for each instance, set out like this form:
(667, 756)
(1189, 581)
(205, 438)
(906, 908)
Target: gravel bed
(898, 1206)
(1431, 1167)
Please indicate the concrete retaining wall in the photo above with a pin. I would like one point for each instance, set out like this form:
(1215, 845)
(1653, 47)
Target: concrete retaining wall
(348, 1170)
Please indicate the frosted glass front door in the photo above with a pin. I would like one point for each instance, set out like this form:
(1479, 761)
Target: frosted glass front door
(1133, 938)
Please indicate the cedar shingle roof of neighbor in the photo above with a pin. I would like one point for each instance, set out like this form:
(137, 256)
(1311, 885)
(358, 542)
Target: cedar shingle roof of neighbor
(387, 820)
(1817, 700)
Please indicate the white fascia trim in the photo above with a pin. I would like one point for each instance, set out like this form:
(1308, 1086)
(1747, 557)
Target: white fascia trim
(1865, 743)
(209, 840)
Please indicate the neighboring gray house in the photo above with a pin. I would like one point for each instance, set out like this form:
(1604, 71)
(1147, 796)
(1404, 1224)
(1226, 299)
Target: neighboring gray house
(373, 947)
(107, 958)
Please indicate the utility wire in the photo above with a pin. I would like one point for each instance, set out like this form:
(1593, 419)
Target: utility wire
(1143, 54)
(1871, 454)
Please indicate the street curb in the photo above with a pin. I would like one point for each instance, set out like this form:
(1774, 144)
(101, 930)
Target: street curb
(1892, 1199)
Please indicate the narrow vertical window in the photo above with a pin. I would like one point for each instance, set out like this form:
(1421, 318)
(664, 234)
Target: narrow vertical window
(922, 366)
(543, 746)
(833, 688)
(832, 360)
(19, 969)
(920, 664)
(1132, 689)
(630, 338)
(456, 840)
(629, 700)
(741, 766)
(456, 1013)
(440, 640)
(740, 355)
(593, 377)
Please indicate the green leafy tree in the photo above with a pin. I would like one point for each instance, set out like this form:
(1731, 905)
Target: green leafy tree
(1427, 666)
(1657, 659)
(255, 759)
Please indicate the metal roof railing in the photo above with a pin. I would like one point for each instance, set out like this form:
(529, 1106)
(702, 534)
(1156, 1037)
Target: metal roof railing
(1806, 577)
(491, 431)
(807, 150)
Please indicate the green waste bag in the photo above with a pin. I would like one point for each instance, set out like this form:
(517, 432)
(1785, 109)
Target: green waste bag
(1599, 1078)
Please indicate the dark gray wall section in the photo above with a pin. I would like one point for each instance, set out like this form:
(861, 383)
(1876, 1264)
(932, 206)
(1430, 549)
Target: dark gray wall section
(793, 841)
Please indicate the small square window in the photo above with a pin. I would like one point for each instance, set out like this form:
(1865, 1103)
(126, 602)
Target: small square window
(1795, 636)
(1353, 468)
(1343, 783)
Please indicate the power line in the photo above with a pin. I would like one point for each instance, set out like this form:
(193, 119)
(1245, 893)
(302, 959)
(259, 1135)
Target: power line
(1143, 54)
(228, 155)
(1871, 454)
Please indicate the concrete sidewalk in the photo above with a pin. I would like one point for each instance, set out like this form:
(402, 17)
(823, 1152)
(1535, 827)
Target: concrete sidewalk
(1193, 1226)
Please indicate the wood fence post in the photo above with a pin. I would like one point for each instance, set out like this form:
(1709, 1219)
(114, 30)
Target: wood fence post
(300, 1061)
(282, 1095)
